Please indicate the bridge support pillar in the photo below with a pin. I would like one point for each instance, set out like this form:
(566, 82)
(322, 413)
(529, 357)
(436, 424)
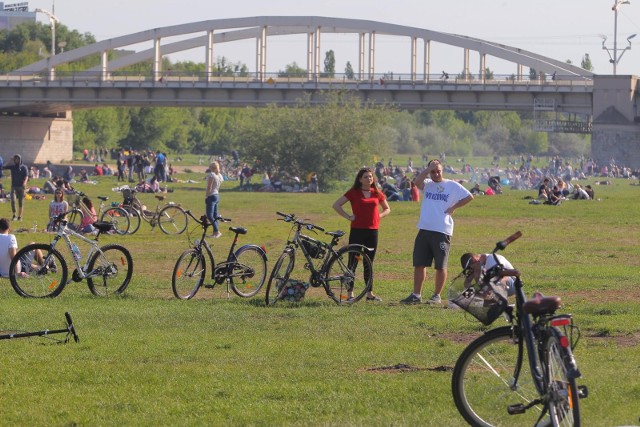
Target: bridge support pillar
(616, 120)
(37, 139)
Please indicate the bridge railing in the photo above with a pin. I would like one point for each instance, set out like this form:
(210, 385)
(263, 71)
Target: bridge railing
(382, 80)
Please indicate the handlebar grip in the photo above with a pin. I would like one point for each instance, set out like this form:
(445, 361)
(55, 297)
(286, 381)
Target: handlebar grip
(70, 327)
(281, 214)
(318, 227)
(224, 219)
(503, 244)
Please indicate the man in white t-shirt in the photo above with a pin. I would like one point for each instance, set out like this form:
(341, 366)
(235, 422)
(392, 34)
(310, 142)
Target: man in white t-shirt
(8, 247)
(441, 197)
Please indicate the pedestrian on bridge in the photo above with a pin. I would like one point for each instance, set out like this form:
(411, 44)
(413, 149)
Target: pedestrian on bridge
(19, 179)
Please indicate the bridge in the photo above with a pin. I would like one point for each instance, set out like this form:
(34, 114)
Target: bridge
(38, 90)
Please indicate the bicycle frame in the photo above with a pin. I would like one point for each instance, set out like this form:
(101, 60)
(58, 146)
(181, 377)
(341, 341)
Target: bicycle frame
(65, 234)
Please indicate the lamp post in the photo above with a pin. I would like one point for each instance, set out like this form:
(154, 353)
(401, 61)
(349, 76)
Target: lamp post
(615, 58)
(53, 20)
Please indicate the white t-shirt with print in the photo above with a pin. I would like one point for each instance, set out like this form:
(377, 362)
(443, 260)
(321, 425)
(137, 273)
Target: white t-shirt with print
(437, 198)
(7, 241)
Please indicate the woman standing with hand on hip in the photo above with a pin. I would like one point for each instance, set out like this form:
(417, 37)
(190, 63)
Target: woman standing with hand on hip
(214, 180)
(366, 201)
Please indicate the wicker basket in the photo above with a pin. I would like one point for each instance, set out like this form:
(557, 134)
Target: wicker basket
(484, 300)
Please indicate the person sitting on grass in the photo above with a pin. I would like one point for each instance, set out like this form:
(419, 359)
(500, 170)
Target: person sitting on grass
(89, 216)
(9, 249)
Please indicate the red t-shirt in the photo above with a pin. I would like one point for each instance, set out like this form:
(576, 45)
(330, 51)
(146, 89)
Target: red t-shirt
(365, 208)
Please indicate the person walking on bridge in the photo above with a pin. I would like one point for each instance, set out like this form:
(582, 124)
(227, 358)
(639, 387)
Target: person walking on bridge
(19, 179)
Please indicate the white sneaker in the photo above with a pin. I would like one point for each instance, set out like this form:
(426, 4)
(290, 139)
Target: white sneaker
(435, 299)
(217, 234)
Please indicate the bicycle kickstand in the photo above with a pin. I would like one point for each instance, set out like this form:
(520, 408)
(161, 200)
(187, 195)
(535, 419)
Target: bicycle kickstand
(228, 293)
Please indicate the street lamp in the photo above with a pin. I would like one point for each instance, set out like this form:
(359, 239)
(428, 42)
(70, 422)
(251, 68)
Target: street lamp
(53, 20)
(615, 58)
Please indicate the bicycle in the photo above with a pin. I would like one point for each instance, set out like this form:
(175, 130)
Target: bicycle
(70, 330)
(337, 271)
(113, 214)
(44, 272)
(244, 271)
(171, 218)
(491, 380)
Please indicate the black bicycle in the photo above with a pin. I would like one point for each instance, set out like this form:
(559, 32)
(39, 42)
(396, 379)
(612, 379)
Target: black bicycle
(491, 381)
(345, 274)
(244, 271)
(70, 330)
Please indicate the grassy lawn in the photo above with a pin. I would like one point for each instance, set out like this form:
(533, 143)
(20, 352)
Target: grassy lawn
(149, 359)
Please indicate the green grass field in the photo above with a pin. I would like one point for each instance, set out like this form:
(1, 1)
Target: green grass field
(149, 359)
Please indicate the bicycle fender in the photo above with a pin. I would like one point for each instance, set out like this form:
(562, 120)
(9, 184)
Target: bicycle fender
(260, 249)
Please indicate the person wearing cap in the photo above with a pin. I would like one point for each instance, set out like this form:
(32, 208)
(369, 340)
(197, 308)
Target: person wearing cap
(474, 265)
(19, 179)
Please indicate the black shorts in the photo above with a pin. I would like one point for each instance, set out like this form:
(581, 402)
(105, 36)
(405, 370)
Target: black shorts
(430, 246)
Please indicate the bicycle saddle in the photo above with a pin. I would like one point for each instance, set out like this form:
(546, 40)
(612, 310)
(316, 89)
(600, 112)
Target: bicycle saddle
(103, 198)
(238, 230)
(161, 197)
(542, 305)
(103, 226)
(338, 233)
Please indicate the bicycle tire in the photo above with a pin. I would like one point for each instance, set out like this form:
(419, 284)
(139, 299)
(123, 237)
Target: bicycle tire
(41, 282)
(112, 264)
(172, 220)
(482, 377)
(134, 218)
(249, 271)
(564, 406)
(74, 219)
(188, 274)
(279, 276)
(348, 275)
(119, 218)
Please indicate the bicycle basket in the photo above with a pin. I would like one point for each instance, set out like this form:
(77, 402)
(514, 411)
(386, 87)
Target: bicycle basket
(312, 247)
(293, 291)
(484, 300)
(127, 195)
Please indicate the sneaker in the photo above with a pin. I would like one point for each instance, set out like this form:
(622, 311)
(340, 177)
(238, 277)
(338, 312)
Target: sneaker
(375, 298)
(411, 299)
(19, 218)
(435, 299)
(217, 234)
(14, 218)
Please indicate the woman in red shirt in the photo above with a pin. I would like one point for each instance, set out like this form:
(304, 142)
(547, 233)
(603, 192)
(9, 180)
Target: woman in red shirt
(366, 200)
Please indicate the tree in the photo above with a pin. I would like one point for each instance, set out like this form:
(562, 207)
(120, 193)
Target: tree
(586, 62)
(348, 71)
(331, 139)
(329, 64)
(293, 70)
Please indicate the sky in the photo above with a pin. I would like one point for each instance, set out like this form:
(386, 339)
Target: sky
(560, 29)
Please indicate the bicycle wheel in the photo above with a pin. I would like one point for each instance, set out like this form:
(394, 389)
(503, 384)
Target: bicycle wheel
(188, 274)
(564, 407)
(348, 275)
(35, 280)
(249, 271)
(172, 219)
(74, 219)
(279, 276)
(482, 382)
(110, 270)
(134, 218)
(119, 218)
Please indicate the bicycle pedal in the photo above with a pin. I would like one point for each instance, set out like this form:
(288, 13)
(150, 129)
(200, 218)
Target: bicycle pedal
(583, 392)
(209, 286)
(516, 409)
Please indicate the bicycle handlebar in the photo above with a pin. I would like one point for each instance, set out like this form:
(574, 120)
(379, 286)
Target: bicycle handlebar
(70, 327)
(203, 219)
(298, 222)
(501, 245)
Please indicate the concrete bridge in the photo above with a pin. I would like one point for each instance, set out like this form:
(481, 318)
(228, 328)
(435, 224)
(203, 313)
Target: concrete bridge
(564, 97)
